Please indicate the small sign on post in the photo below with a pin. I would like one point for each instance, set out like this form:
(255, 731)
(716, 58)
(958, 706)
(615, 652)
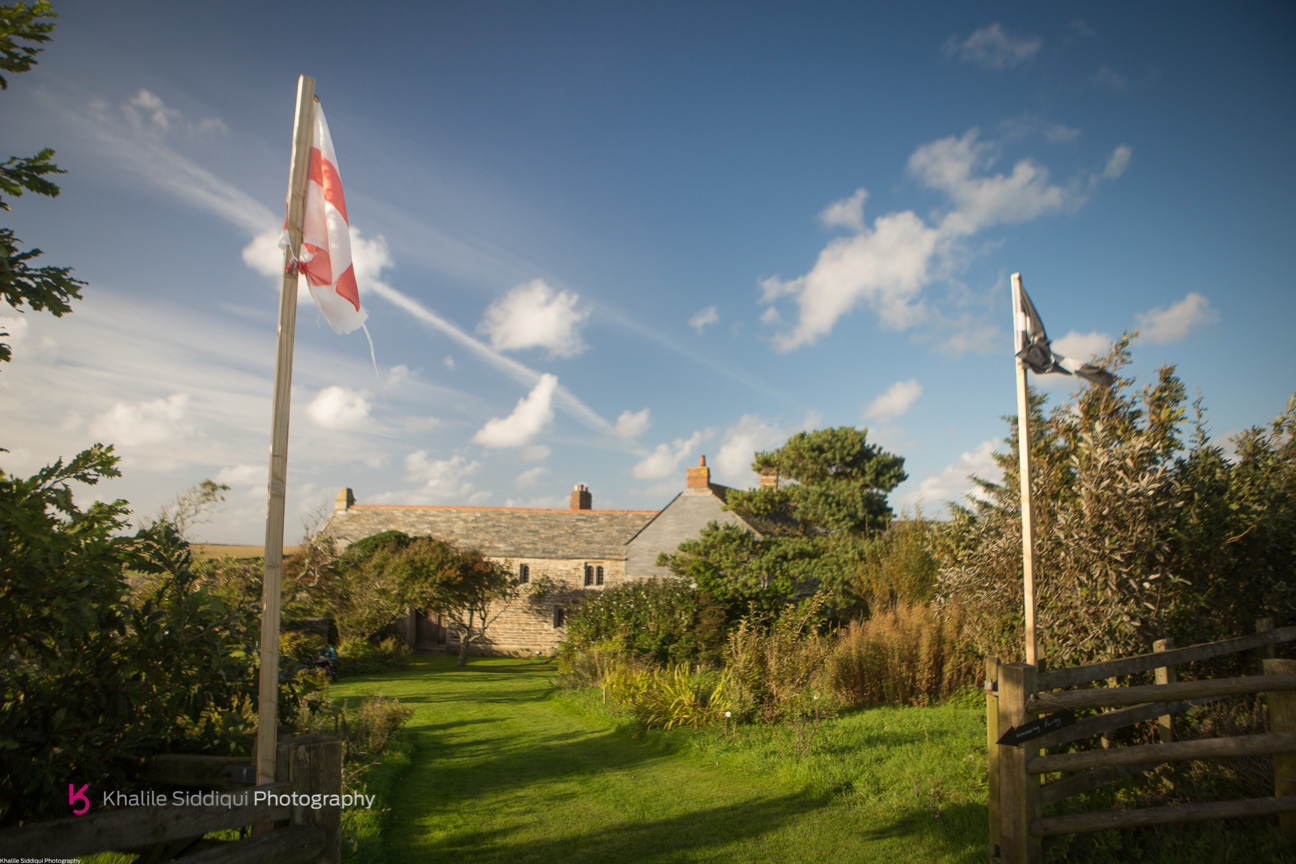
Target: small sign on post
(1037, 727)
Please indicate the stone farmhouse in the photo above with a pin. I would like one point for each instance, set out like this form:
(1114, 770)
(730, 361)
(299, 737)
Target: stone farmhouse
(561, 557)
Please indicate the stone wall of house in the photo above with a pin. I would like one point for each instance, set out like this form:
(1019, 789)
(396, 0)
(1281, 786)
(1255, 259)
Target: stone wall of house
(527, 625)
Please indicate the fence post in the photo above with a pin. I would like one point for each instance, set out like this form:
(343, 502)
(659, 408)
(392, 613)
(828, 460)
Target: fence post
(992, 749)
(1282, 718)
(1019, 793)
(1264, 625)
(312, 764)
(1165, 675)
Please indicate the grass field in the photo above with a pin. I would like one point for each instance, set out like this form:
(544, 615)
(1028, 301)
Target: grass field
(505, 769)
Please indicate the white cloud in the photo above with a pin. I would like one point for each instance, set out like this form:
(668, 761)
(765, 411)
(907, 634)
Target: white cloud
(337, 407)
(533, 315)
(1082, 346)
(145, 423)
(954, 483)
(1176, 321)
(442, 481)
(739, 446)
(887, 266)
(1118, 161)
(531, 477)
(535, 452)
(665, 460)
(632, 424)
(952, 165)
(992, 48)
(898, 399)
(703, 318)
(533, 413)
(846, 213)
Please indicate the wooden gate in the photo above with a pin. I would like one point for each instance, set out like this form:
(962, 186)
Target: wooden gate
(1033, 711)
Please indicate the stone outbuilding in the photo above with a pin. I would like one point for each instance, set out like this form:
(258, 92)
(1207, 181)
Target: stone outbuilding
(559, 556)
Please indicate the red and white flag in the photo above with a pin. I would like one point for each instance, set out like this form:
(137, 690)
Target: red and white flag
(325, 258)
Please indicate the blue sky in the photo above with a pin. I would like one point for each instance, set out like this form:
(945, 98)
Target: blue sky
(597, 241)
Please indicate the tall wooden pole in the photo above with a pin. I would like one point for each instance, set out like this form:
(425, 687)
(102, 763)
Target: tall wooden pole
(268, 704)
(1023, 473)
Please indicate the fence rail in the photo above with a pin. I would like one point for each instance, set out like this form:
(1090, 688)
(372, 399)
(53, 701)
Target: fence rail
(307, 765)
(1018, 693)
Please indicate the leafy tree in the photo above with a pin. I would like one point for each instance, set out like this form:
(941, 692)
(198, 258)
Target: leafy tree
(23, 29)
(1141, 532)
(831, 500)
(463, 584)
(91, 682)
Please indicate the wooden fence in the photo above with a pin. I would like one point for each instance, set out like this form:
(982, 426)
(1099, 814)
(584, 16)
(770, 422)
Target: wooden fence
(282, 833)
(1022, 707)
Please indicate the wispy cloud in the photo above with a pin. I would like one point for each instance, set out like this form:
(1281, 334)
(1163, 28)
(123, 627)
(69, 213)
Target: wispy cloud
(887, 265)
(665, 460)
(992, 47)
(1173, 323)
(897, 400)
(704, 318)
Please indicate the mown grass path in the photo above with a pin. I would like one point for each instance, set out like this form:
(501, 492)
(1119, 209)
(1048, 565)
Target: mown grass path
(506, 771)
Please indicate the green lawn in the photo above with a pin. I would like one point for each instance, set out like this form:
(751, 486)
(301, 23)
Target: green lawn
(507, 770)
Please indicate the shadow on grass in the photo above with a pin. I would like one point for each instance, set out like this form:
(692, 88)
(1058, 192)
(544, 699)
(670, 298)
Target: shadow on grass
(691, 836)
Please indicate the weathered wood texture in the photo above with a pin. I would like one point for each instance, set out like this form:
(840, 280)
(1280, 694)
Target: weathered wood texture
(1178, 751)
(1071, 676)
(1110, 721)
(137, 826)
(1019, 802)
(312, 765)
(1111, 697)
(1165, 675)
(1083, 822)
(992, 748)
(1282, 720)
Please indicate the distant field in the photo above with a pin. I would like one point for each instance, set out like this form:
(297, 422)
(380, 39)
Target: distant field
(229, 550)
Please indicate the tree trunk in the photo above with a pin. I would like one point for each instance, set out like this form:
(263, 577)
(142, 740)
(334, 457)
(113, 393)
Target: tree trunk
(463, 640)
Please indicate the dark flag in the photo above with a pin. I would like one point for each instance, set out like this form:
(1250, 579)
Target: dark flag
(1039, 357)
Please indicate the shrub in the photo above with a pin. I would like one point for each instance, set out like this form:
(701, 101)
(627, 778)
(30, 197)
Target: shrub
(664, 621)
(1139, 534)
(360, 656)
(910, 655)
(776, 672)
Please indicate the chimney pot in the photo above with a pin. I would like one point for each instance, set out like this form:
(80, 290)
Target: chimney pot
(699, 477)
(581, 499)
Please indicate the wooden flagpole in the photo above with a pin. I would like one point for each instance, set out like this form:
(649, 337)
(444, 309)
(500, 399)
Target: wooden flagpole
(268, 693)
(1024, 474)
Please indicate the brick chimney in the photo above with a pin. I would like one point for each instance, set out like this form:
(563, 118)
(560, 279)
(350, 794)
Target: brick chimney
(581, 499)
(344, 501)
(769, 478)
(699, 478)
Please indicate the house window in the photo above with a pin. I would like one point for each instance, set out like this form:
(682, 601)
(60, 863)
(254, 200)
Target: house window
(589, 575)
(598, 575)
(558, 616)
(524, 573)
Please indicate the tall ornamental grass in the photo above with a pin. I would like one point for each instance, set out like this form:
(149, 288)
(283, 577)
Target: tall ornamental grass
(912, 655)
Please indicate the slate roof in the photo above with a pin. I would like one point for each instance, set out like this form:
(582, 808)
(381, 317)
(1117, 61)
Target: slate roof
(501, 532)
